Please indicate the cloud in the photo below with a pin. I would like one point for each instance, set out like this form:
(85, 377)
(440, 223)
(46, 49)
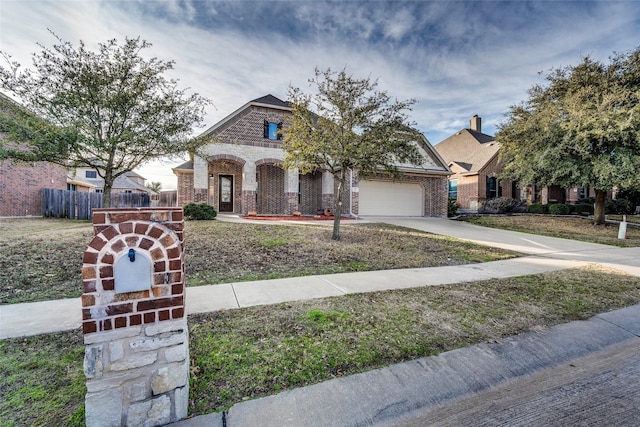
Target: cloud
(456, 58)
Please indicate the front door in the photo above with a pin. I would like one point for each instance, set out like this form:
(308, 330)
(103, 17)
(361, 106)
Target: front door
(226, 193)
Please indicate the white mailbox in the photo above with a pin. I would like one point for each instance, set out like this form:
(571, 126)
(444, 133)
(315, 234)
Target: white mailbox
(132, 272)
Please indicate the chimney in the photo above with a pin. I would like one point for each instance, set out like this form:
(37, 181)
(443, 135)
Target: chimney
(476, 123)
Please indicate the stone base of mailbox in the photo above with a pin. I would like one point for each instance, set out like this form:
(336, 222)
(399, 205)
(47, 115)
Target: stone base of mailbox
(134, 323)
(138, 375)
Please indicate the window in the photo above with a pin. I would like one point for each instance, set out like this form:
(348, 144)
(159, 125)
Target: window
(492, 187)
(71, 187)
(453, 189)
(271, 130)
(99, 190)
(90, 174)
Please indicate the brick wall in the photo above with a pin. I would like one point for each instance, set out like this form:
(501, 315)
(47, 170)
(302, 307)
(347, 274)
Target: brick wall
(185, 188)
(21, 186)
(436, 196)
(310, 193)
(472, 189)
(246, 128)
(271, 195)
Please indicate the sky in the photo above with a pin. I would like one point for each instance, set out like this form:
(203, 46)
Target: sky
(455, 58)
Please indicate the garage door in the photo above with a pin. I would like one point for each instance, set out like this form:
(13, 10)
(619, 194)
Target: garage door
(390, 199)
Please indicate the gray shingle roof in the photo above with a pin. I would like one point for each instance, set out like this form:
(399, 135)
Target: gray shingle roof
(272, 100)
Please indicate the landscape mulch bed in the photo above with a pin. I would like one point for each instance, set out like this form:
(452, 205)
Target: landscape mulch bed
(297, 218)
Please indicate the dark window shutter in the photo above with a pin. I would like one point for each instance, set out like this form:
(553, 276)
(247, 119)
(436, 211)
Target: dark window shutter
(266, 129)
(279, 128)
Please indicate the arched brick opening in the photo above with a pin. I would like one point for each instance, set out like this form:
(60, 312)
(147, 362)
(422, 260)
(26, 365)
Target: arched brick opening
(229, 157)
(103, 308)
(223, 167)
(271, 198)
(310, 192)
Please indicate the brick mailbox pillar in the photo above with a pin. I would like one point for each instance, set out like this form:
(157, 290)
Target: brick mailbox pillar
(134, 320)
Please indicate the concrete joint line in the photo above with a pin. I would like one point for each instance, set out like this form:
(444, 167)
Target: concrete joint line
(622, 328)
(333, 285)
(235, 296)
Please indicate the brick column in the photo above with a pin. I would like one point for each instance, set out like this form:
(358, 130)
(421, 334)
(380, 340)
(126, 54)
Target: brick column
(134, 320)
(328, 195)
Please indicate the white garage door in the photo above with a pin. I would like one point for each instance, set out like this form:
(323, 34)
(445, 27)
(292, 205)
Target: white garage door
(390, 198)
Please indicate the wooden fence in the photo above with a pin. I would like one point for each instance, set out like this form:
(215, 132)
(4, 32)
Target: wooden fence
(79, 205)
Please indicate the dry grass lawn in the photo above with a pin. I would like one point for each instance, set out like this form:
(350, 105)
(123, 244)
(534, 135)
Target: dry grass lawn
(41, 259)
(565, 227)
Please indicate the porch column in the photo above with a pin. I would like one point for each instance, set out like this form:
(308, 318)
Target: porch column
(328, 185)
(292, 185)
(200, 180)
(248, 187)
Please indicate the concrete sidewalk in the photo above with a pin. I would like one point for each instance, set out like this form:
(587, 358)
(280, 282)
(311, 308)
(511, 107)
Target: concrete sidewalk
(61, 315)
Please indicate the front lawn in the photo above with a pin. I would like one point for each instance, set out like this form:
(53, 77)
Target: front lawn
(41, 259)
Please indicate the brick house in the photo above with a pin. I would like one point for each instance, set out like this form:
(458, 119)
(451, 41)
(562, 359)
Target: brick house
(21, 183)
(473, 159)
(242, 172)
(87, 179)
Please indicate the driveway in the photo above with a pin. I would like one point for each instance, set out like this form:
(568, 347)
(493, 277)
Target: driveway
(624, 259)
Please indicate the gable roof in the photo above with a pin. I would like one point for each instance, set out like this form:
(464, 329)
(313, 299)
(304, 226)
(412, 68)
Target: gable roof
(468, 149)
(271, 100)
(433, 162)
(268, 101)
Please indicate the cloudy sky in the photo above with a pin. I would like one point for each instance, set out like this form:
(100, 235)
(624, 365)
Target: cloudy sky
(456, 58)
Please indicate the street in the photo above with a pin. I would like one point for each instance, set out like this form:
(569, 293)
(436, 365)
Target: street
(599, 389)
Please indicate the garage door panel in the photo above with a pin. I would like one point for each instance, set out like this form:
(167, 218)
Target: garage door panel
(390, 198)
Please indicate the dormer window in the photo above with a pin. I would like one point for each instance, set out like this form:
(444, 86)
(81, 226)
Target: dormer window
(271, 130)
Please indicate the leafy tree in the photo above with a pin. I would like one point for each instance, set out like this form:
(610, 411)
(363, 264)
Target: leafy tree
(155, 186)
(582, 128)
(111, 110)
(348, 125)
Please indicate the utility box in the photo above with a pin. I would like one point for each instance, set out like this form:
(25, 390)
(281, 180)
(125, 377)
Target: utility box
(134, 319)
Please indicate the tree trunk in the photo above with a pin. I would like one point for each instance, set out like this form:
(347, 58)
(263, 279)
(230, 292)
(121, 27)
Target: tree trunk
(106, 191)
(337, 211)
(598, 211)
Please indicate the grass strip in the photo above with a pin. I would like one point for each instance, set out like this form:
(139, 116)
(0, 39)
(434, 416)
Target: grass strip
(253, 352)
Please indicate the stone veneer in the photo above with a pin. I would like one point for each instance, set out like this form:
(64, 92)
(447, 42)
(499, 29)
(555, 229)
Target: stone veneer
(136, 343)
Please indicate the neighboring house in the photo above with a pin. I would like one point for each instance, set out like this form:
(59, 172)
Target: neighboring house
(21, 183)
(87, 179)
(473, 159)
(241, 172)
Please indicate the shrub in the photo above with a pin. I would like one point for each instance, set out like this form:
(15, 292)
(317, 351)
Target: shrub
(560, 209)
(503, 205)
(537, 208)
(201, 211)
(618, 206)
(583, 207)
(452, 207)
